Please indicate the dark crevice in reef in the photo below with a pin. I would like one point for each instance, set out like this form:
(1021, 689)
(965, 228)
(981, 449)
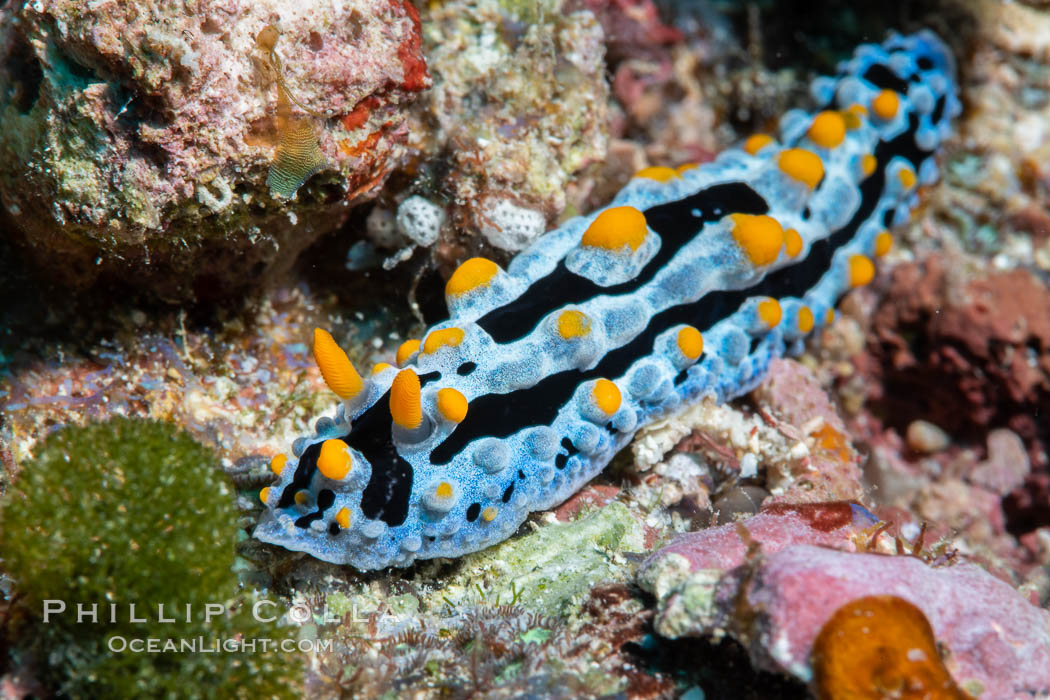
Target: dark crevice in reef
(430, 295)
(1028, 508)
(832, 29)
(722, 670)
(81, 320)
(133, 111)
(377, 293)
(26, 74)
(772, 36)
(79, 70)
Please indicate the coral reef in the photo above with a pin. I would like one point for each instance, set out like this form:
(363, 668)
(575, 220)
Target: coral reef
(556, 565)
(519, 107)
(965, 352)
(247, 389)
(714, 462)
(839, 525)
(793, 395)
(923, 399)
(500, 651)
(122, 515)
(140, 135)
(508, 138)
(999, 643)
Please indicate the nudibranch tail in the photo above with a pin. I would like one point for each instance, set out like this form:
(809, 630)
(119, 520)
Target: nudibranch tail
(685, 286)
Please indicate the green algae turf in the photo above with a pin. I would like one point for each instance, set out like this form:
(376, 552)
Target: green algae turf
(132, 512)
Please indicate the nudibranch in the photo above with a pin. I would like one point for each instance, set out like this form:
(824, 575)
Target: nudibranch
(686, 285)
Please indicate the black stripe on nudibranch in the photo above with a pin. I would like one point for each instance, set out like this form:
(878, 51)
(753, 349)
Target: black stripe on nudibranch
(938, 109)
(570, 450)
(325, 499)
(796, 279)
(387, 494)
(502, 415)
(304, 472)
(390, 484)
(882, 77)
(677, 225)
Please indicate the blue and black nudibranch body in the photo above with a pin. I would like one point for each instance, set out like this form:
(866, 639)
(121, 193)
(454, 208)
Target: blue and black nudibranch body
(685, 286)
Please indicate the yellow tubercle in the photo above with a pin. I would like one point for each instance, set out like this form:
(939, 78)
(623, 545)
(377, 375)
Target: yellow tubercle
(828, 129)
(792, 242)
(658, 173)
(573, 324)
(805, 319)
(861, 270)
(452, 405)
(686, 166)
(381, 367)
(756, 142)
(769, 312)
(886, 104)
(829, 317)
(690, 342)
(277, 464)
(616, 228)
(339, 374)
(406, 350)
(906, 177)
(439, 339)
(489, 514)
(443, 490)
(342, 518)
(405, 406)
(606, 396)
(853, 115)
(760, 237)
(883, 243)
(302, 498)
(334, 462)
(802, 165)
(868, 164)
(472, 274)
(264, 494)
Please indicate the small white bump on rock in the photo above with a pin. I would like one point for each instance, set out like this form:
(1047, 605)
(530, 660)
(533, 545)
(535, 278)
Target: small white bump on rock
(926, 438)
(420, 220)
(381, 226)
(508, 226)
